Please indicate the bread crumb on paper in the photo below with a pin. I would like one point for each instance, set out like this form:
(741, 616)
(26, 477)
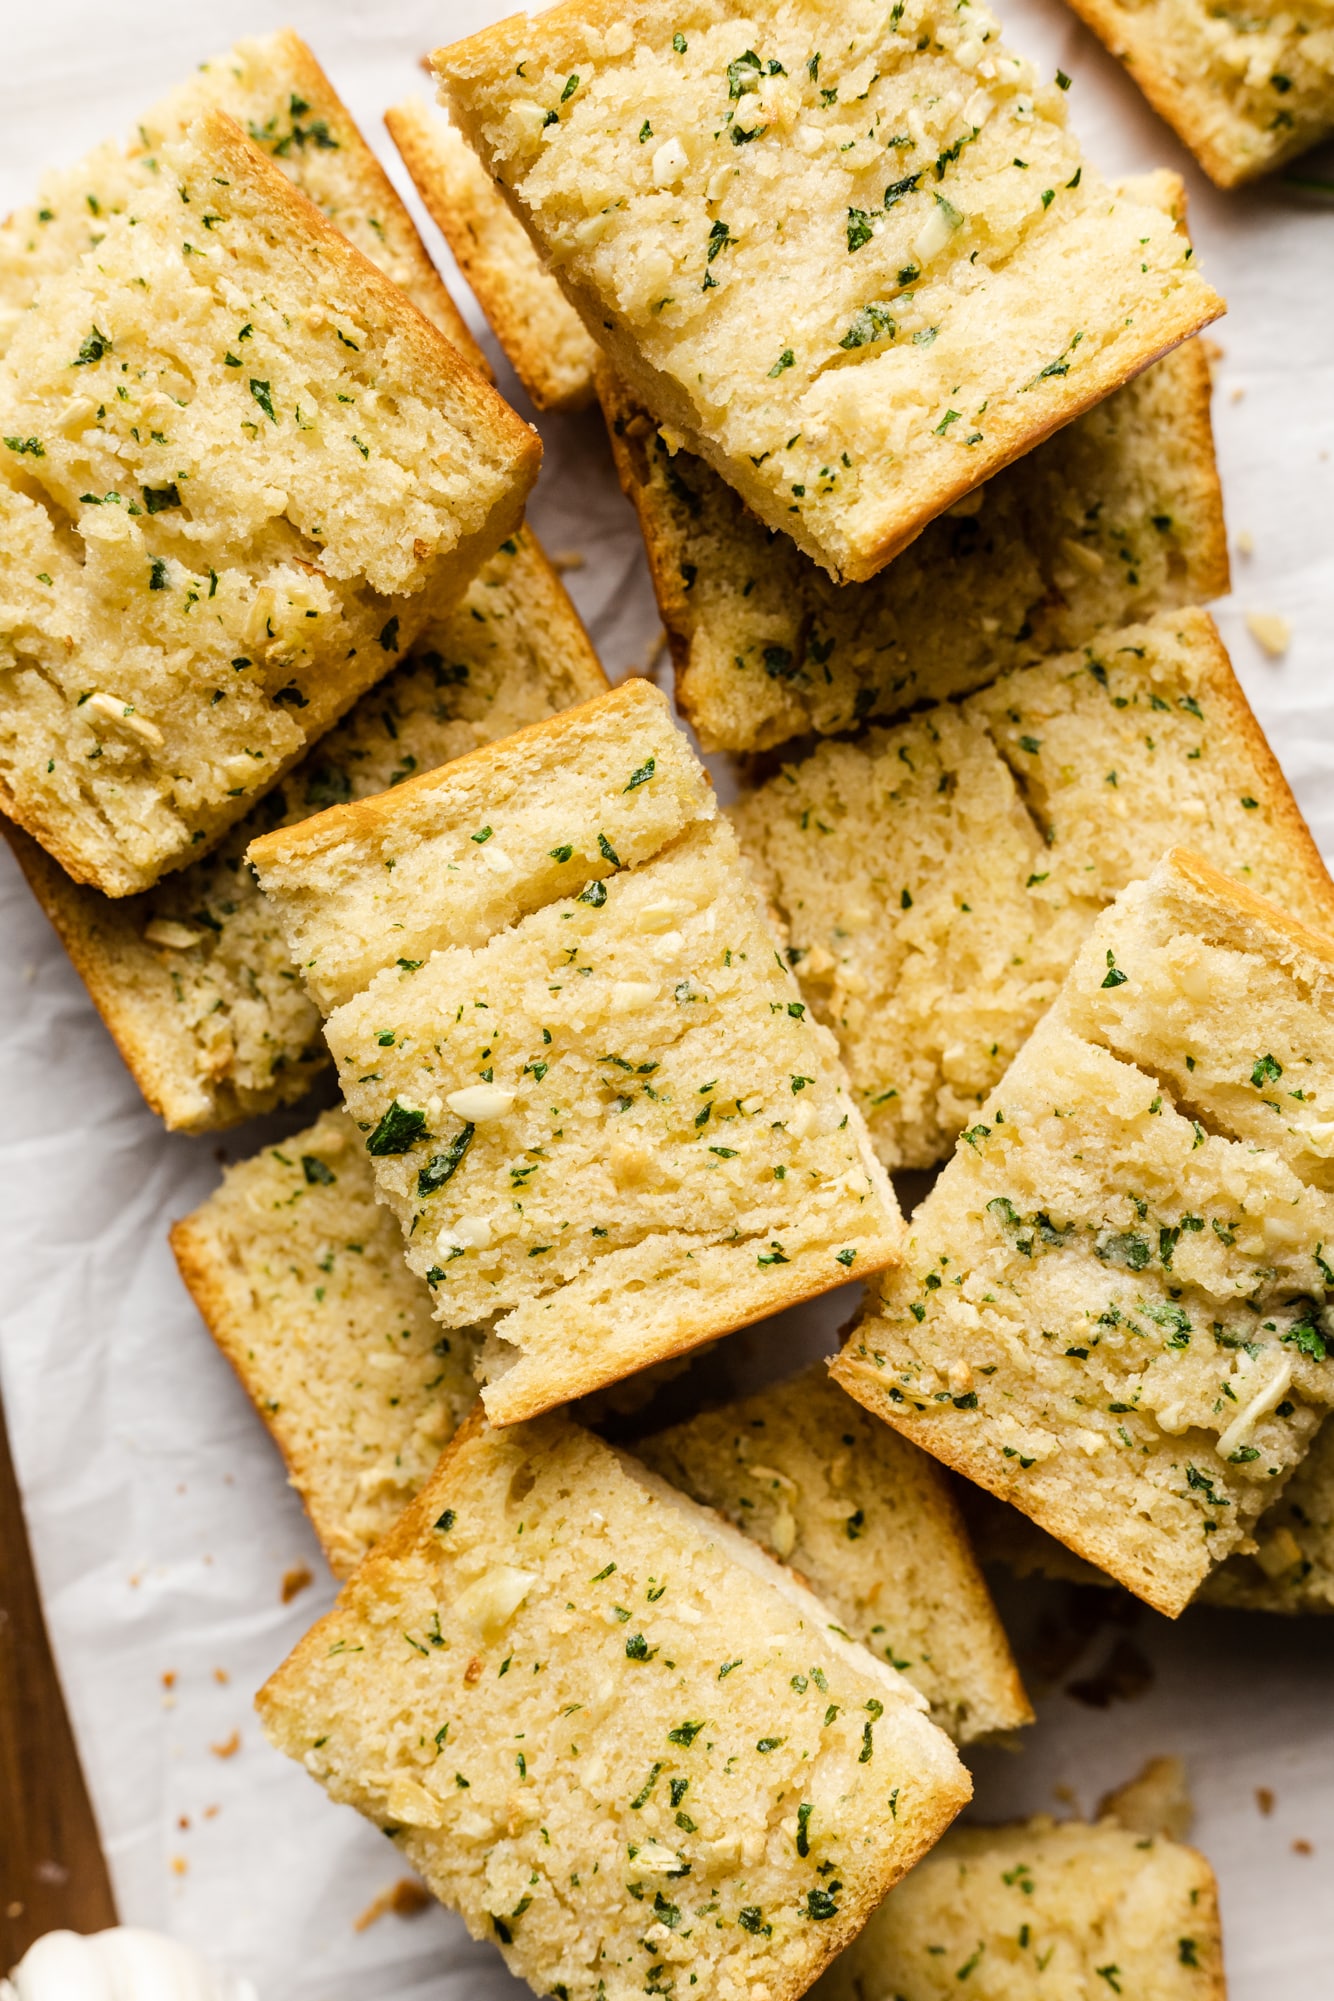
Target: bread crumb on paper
(295, 1581)
(1270, 631)
(1156, 1801)
(406, 1899)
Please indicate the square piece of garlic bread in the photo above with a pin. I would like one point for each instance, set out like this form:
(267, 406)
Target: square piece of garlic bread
(620, 1741)
(1043, 1908)
(227, 509)
(1113, 1310)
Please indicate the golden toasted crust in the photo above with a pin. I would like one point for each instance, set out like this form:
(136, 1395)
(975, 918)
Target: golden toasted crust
(1173, 75)
(955, 1449)
(363, 820)
(541, 334)
(1195, 421)
(1163, 328)
(126, 984)
(1305, 860)
(195, 1253)
(1239, 911)
(523, 1392)
(298, 1274)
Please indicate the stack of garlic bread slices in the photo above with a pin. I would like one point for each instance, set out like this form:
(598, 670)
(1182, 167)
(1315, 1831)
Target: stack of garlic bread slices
(606, 1121)
(1114, 1306)
(266, 501)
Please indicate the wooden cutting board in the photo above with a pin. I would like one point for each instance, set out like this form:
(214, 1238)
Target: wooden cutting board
(52, 1871)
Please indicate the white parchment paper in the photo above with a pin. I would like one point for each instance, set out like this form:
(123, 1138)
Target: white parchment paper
(159, 1515)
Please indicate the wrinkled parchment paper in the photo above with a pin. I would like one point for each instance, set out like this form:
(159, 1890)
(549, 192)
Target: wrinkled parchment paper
(162, 1526)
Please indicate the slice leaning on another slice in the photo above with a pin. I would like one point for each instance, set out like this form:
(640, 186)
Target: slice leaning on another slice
(1117, 516)
(870, 1524)
(1291, 1569)
(1245, 90)
(540, 331)
(972, 848)
(192, 977)
(596, 1101)
(299, 1276)
(854, 258)
(1040, 1909)
(704, 1778)
(298, 1273)
(1113, 1309)
(231, 509)
(280, 97)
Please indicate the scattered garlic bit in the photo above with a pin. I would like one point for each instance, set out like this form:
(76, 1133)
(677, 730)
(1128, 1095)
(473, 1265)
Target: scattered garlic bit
(113, 710)
(565, 560)
(1278, 1553)
(175, 937)
(489, 1603)
(1270, 631)
(479, 1103)
(1245, 543)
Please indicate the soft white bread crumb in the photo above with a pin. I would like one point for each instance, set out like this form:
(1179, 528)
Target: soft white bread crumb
(923, 923)
(280, 97)
(542, 335)
(972, 849)
(858, 279)
(1111, 1307)
(1245, 91)
(266, 499)
(869, 1523)
(299, 1274)
(1270, 631)
(193, 978)
(1042, 1911)
(609, 1732)
(1117, 516)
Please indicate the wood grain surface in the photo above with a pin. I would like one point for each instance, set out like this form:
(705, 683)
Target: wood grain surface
(52, 1871)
